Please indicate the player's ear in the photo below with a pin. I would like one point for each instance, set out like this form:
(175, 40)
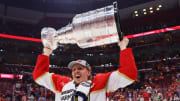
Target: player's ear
(89, 72)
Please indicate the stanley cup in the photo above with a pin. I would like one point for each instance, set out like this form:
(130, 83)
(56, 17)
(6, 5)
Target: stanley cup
(89, 29)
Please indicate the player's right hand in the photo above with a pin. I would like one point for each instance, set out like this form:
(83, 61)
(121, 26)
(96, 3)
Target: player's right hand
(48, 38)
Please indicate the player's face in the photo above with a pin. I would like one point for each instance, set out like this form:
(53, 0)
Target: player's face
(80, 73)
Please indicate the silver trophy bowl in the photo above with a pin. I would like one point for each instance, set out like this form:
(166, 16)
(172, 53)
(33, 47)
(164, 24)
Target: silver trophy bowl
(93, 28)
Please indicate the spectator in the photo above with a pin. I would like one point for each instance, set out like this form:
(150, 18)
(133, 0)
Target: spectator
(41, 98)
(23, 97)
(149, 89)
(160, 96)
(146, 95)
(32, 97)
(176, 98)
(2, 98)
(169, 95)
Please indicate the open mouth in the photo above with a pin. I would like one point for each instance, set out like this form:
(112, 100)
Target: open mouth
(77, 76)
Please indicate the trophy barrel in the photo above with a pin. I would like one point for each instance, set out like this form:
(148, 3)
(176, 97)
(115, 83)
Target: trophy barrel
(90, 29)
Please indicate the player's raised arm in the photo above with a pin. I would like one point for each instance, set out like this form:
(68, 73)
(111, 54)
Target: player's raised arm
(127, 72)
(41, 73)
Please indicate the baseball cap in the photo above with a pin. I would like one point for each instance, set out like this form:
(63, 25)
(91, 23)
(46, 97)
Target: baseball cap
(81, 62)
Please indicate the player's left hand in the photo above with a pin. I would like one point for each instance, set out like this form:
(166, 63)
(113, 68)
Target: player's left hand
(123, 43)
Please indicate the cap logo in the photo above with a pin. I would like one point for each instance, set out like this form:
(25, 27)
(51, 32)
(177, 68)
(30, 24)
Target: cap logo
(79, 60)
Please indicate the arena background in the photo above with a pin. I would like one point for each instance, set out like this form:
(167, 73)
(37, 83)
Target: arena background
(157, 55)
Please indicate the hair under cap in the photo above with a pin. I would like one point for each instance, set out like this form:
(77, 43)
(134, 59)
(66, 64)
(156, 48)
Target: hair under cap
(81, 62)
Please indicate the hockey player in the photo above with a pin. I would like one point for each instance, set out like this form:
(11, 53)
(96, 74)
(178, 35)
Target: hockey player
(84, 87)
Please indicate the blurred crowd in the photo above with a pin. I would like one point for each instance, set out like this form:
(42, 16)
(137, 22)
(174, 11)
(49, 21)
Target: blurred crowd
(153, 85)
(160, 83)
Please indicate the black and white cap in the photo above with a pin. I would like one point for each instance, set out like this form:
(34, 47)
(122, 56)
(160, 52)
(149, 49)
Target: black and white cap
(81, 62)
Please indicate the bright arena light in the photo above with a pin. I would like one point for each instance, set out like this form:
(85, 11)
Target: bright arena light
(10, 76)
(160, 6)
(135, 12)
(151, 11)
(157, 9)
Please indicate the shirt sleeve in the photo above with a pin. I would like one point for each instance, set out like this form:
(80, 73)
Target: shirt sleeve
(126, 73)
(42, 76)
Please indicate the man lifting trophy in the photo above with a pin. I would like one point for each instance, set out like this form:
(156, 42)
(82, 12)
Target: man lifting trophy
(90, 29)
